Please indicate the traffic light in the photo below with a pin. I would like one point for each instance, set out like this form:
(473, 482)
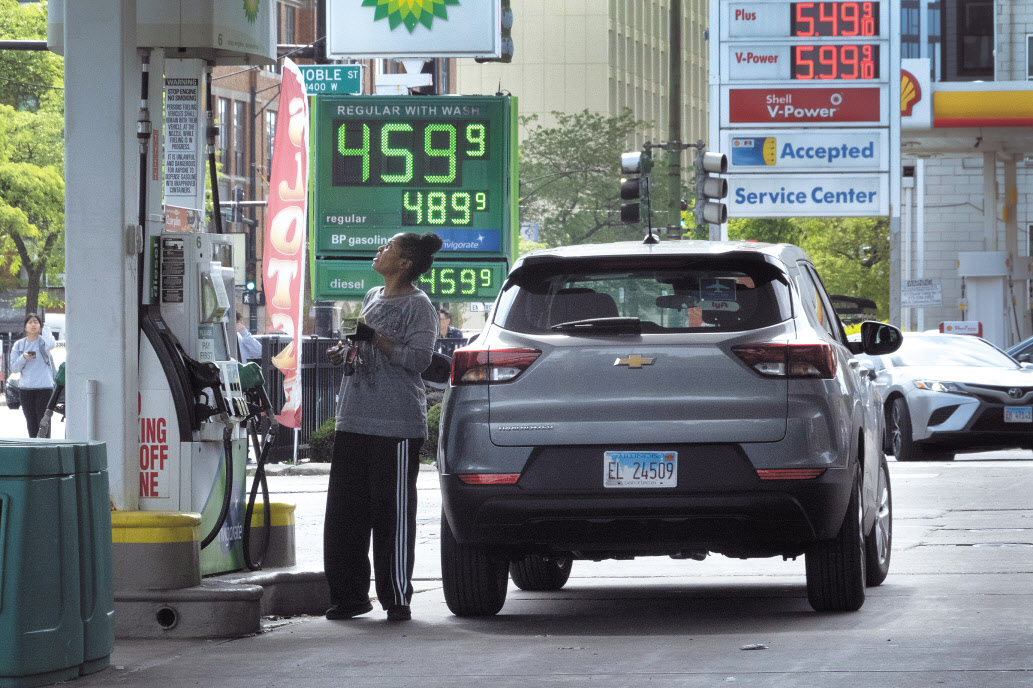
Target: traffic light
(237, 214)
(710, 190)
(635, 188)
(507, 36)
(249, 276)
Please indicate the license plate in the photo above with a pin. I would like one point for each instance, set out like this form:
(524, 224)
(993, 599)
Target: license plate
(1018, 414)
(640, 469)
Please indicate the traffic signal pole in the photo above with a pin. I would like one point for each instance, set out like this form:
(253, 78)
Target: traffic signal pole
(674, 106)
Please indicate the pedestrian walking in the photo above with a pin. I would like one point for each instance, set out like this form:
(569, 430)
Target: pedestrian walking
(250, 348)
(30, 356)
(381, 423)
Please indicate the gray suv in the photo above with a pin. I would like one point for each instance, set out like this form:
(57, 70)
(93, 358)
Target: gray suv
(673, 399)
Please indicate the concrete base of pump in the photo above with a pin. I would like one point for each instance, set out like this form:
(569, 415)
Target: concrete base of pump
(214, 609)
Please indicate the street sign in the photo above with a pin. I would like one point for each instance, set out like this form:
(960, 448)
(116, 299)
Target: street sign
(332, 79)
(808, 195)
(788, 150)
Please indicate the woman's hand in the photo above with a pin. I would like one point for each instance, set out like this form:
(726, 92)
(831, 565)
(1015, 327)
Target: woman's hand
(29, 355)
(336, 353)
(363, 333)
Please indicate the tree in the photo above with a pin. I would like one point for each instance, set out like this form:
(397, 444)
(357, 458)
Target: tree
(32, 223)
(27, 78)
(852, 255)
(570, 177)
(31, 155)
(768, 230)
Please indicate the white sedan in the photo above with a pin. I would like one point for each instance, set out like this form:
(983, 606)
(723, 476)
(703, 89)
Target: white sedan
(945, 394)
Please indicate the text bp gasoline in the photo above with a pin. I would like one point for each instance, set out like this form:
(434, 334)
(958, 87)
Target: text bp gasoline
(817, 195)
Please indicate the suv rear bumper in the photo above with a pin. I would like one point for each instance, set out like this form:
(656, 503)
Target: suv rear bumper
(755, 518)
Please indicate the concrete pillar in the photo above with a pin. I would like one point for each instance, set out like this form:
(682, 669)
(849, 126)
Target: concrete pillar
(990, 201)
(102, 77)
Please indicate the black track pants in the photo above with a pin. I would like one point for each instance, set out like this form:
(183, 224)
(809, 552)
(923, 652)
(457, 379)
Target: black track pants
(372, 490)
(34, 405)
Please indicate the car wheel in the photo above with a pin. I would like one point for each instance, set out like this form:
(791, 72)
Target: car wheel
(836, 568)
(901, 439)
(879, 541)
(474, 580)
(534, 572)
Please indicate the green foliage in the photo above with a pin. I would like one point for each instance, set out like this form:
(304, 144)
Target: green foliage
(321, 443)
(28, 77)
(851, 253)
(526, 246)
(31, 156)
(32, 223)
(429, 450)
(570, 177)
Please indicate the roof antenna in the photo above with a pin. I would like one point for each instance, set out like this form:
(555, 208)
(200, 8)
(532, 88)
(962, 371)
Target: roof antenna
(499, 92)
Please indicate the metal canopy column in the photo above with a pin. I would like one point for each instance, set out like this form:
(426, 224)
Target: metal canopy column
(102, 77)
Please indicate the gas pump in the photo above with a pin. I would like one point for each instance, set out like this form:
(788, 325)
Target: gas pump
(192, 407)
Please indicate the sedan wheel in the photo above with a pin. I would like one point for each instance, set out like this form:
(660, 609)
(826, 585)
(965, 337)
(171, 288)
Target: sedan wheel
(836, 568)
(901, 438)
(879, 541)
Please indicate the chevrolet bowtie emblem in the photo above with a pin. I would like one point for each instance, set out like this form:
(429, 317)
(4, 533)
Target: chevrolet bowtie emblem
(634, 361)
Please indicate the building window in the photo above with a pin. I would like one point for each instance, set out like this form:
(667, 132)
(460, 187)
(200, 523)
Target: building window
(270, 138)
(224, 134)
(975, 38)
(239, 118)
(1029, 56)
(289, 33)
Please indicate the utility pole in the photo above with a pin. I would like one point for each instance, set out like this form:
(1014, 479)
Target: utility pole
(674, 145)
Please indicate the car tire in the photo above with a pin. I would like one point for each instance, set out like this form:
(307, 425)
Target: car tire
(473, 579)
(899, 429)
(537, 573)
(879, 541)
(836, 568)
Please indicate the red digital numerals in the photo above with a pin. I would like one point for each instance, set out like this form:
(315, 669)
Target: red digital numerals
(809, 19)
(839, 61)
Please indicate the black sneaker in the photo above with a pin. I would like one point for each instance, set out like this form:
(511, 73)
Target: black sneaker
(348, 611)
(399, 613)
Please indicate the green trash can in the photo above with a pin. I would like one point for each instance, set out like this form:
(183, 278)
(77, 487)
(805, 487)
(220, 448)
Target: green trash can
(40, 616)
(96, 578)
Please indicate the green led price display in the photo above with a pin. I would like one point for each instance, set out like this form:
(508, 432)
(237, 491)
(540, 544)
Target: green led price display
(451, 280)
(386, 153)
(434, 208)
(445, 281)
(388, 164)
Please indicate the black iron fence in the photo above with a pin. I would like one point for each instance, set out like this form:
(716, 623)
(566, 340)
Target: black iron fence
(320, 384)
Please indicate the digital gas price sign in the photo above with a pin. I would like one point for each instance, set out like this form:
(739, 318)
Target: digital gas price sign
(847, 19)
(442, 164)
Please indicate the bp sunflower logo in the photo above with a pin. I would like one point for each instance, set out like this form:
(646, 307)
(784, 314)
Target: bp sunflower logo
(251, 10)
(410, 12)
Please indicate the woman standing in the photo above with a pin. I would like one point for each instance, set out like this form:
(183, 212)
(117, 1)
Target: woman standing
(30, 356)
(381, 424)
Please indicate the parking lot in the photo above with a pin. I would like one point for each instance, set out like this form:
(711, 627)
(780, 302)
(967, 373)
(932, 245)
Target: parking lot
(954, 611)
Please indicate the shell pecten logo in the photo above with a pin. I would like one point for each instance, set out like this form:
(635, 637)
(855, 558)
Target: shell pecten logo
(410, 12)
(910, 92)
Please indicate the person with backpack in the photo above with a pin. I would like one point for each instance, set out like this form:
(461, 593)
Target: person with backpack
(30, 356)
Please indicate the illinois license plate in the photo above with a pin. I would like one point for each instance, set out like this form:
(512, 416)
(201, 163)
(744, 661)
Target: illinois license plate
(640, 469)
(1018, 414)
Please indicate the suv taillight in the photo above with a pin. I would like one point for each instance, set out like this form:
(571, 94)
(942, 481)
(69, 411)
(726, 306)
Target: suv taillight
(482, 366)
(782, 359)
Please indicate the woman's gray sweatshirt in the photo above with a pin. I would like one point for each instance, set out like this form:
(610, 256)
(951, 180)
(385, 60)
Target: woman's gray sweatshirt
(385, 396)
(37, 373)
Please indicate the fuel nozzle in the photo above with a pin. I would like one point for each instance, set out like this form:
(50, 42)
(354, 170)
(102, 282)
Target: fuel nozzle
(252, 383)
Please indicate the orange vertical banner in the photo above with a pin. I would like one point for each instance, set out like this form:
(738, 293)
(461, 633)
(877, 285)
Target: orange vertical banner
(283, 262)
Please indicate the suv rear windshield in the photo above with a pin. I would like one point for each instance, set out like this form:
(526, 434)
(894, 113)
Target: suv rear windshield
(672, 294)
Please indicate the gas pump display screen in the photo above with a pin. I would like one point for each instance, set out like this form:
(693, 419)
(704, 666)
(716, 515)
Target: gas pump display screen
(408, 163)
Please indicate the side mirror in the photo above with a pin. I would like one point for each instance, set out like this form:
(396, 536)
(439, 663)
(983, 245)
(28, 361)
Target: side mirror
(879, 338)
(1024, 358)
